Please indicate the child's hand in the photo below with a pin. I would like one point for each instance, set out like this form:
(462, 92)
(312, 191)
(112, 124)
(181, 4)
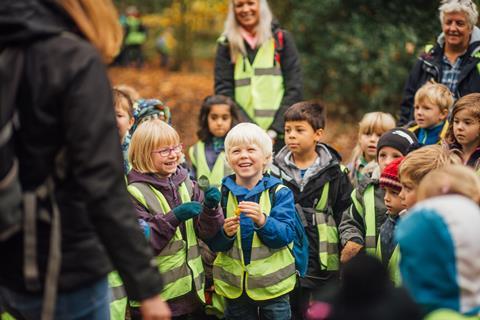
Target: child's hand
(231, 225)
(253, 211)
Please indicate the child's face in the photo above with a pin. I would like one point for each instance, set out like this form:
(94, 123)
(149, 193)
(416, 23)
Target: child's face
(408, 195)
(247, 161)
(124, 122)
(427, 114)
(368, 145)
(300, 137)
(219, 120)
(386, 155)
(166, 159)
(466, 129)
(393, 201)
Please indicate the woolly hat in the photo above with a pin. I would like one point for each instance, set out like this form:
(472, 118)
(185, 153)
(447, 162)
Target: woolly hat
(389, 177)
(398, 138)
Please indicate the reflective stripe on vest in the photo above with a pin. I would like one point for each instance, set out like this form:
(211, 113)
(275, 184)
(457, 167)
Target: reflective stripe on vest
(179, 263)
(369, 217)
(199, 160)
(393, 266)
(259, 88)
(447, 314)
(118, 298)
(327, 233)
(271, 272)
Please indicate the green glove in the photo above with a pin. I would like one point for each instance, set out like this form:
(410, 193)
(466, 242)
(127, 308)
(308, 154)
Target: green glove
(212, 198)
(187, 210)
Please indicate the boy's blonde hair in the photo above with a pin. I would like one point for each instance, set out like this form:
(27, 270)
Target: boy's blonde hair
(437, 94)
(421, 161)
(150, 135)
(247, 134)
(451, 179)
(373, 122)
(470, 103)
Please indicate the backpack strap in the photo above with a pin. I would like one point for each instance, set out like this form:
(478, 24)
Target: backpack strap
(279, 44)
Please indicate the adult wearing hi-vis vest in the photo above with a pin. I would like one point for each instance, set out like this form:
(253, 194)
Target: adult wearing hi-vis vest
(257, 65)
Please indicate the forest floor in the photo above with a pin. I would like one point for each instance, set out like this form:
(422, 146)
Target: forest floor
(183, 92)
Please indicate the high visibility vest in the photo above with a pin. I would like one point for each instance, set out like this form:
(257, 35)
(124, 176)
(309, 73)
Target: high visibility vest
(270, 273)
(259, 87)
(447, 314)
(368, 215)
(118, 299)
(199, 160)
(393, 266)
(134, 35)
(179, 263)
(327, 233)
(6, 316)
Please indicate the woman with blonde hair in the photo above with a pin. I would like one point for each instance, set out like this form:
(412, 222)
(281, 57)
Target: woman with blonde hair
(55, 51)
(257, 65)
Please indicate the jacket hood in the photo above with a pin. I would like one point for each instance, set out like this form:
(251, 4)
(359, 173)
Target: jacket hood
(159, 183)
(474, 38)
(440, 245)
(22, 21)
(266, 183)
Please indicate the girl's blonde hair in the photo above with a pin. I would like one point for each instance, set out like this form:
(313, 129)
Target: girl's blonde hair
(451, 179)
(150, 135)
(372, 122)
(98, 21)
(421, 161)
(248, 134)
(436, 93)
(471, 103)
(231, 30)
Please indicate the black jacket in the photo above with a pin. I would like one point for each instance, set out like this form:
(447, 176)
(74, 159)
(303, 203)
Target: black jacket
(291, 71)
(65, 102)
(429, 66)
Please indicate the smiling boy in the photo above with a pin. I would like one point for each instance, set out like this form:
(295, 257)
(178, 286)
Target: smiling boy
(321, 188)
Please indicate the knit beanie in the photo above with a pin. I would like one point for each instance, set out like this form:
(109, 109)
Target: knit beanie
(389, 177)
(398, 138)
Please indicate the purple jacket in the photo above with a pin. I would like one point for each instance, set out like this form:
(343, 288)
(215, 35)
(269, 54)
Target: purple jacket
(163, 226)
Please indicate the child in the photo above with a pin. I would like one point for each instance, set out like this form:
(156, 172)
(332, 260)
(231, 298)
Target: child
(176, 211)
(431, 106)
(370, 128)
(361, 222)
(124, 115)
(217, 116)
(440, 244)
(387, 251)
(313, 171)
(451, 179)
(464, 131)
(254, 269)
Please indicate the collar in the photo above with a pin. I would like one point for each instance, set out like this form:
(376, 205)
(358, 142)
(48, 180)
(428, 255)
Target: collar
(252, 40)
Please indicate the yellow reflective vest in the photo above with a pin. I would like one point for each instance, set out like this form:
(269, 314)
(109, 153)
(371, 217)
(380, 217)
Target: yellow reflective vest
(259, 87)
(118, 301)
(199, 161)
(270, 273)
(368, 215)
(179, 263)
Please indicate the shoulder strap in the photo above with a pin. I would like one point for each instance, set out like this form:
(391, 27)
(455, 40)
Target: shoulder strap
(189, 184)
(151, 201)
(279, 44)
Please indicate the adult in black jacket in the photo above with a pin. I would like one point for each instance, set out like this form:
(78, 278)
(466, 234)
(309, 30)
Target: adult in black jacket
(248, 30)
(65, 103)
(457, 49)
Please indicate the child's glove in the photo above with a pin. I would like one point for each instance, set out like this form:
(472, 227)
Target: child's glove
(187, 210)
(349, 251)
(212, 198)
(145, 228)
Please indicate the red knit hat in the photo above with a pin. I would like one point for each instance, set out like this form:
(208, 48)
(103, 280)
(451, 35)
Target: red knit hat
(389, 177)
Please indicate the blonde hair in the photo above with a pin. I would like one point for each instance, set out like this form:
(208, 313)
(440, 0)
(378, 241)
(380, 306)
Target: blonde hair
(248, 134)
(451, 179)
(231, 30)
(436, 93)
(372, 122)
(466, 6)
(123, 101)
(421, 161)
(98, 22)
(150, 135)
(471, 103)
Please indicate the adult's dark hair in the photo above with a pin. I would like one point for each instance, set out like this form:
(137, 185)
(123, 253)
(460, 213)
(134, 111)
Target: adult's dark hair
(203, 132)
(311, 111)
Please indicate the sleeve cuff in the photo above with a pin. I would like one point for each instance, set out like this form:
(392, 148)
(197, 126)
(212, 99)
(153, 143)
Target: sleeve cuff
(172, 219)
